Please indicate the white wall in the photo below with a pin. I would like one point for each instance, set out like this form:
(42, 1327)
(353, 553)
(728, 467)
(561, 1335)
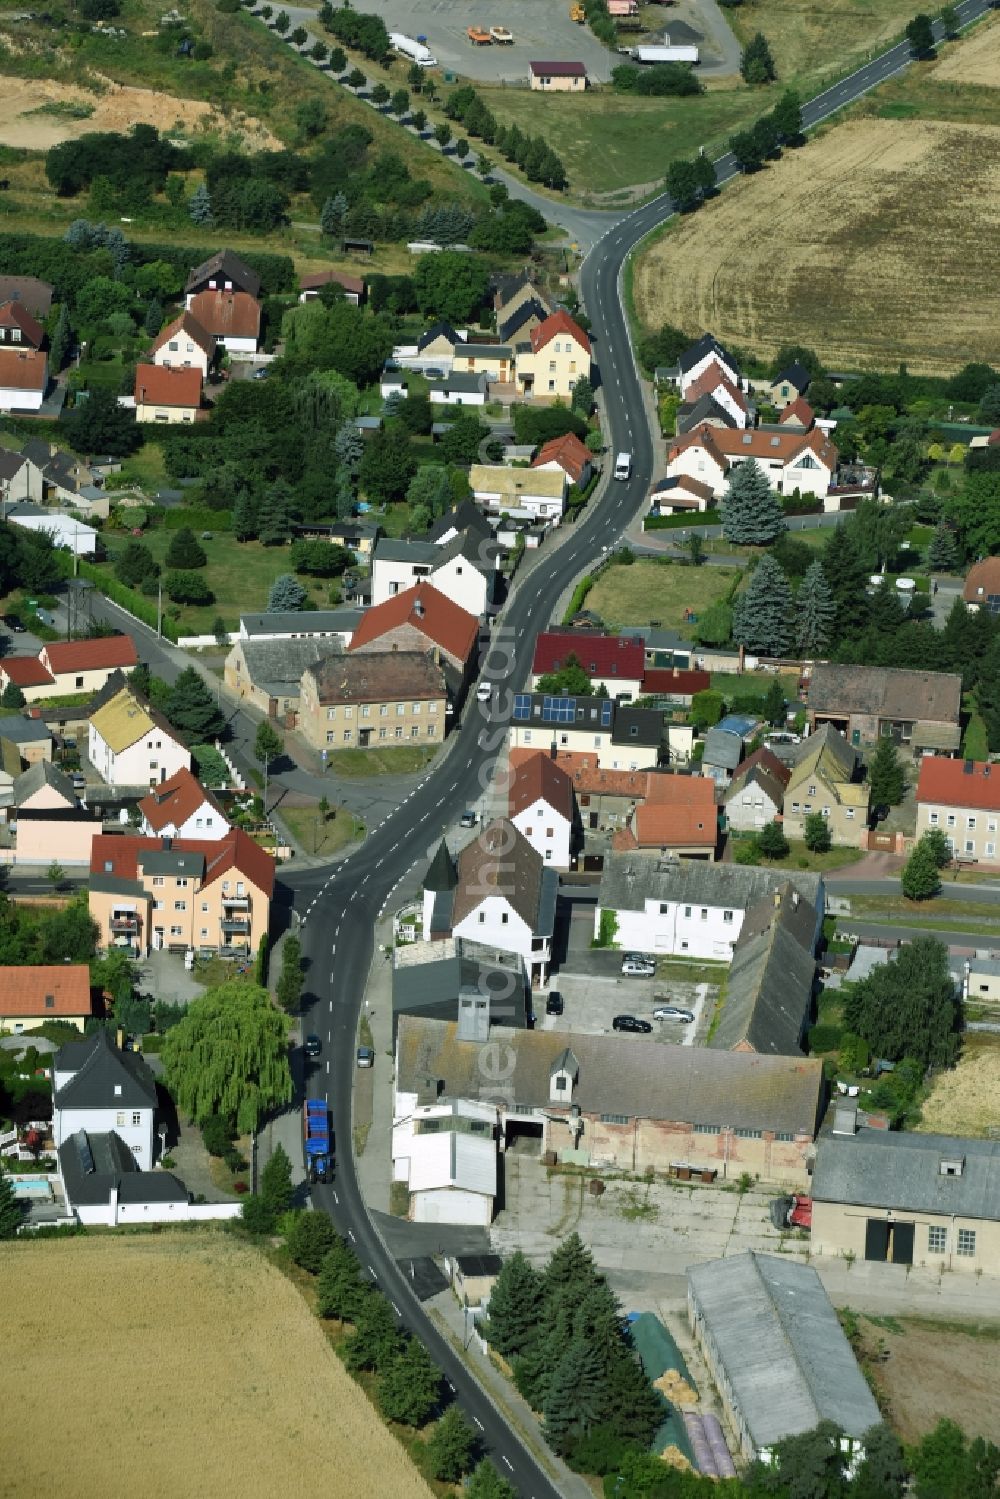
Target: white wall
(138, 1137)
(666, 927)
(452, 1205)
(12, 399)
(112, 1214)
(510, 935)
(750, 808)
(206, 823)
(548, 832)
(150, 761)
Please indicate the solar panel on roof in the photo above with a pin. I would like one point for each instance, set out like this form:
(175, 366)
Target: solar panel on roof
(522, 705)
(558, 709)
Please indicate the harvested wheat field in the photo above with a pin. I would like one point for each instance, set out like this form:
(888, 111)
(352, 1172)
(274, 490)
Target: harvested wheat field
(875, 244)
(115, 107)
(966, 1100)
(976, 60)
(181, 1365)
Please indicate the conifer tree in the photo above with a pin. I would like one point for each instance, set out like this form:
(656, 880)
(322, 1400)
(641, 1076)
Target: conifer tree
(942, 553)
(814, 612)
(751, 511)
(762, 612)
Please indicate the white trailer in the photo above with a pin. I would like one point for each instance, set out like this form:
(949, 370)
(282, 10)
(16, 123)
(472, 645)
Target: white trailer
(415, 51)
(666, 54)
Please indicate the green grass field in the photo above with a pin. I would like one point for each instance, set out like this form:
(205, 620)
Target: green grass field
(401, 760)
(316, 837)
(648, 591)
(239, 574)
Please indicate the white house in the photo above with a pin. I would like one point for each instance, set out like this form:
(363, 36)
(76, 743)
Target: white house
(459, 389)
(500, 893)
(66, 532)
(695, 361)
(540, 803)
(446, 1154)
(130, 744)
(686, 907)
(620, 736)
(184, 344)
(97, 1088)
(463, 569)
(793, 460)
(181, 808)
(539, 493)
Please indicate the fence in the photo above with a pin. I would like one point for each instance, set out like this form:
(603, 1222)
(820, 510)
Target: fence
(195, 642)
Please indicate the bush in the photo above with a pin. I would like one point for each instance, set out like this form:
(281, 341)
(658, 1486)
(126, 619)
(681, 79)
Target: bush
(312, 1237)
(677, 522)
(217, 1134)
(824, 1037)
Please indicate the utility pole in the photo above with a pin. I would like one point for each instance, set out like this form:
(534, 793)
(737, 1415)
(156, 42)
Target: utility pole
(159, 610)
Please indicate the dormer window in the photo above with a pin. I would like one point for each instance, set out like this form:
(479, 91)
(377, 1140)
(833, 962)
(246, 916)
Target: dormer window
(951, 1165)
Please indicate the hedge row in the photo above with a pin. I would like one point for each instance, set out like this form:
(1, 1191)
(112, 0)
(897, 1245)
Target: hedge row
(676, 522)
(127, 598)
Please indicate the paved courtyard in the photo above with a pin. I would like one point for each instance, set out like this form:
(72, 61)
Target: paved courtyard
(591, 1001)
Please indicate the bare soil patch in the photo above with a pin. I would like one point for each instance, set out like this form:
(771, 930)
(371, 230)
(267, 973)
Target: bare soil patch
(220, 1379)
(975, 60)
(934, 1370)
(116, 107)
(964, 1100)
(870, 245)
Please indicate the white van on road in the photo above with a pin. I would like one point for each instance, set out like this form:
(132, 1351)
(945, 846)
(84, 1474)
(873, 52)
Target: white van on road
(623, 466)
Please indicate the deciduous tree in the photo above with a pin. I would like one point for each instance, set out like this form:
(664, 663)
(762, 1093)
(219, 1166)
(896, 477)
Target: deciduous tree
(817, 833)
(920, 879)
(451, 1445)
(920, 35)
(908, 1008)
(310, 1240)
(772, 842)
(229, 1056)
(339, 1289)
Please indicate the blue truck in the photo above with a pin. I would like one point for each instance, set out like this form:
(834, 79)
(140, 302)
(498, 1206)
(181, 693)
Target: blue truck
(316, 1140)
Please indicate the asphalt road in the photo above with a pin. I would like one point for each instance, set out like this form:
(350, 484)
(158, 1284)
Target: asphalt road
(339, 909)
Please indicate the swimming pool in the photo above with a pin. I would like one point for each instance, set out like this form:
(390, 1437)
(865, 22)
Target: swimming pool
(33, 1186)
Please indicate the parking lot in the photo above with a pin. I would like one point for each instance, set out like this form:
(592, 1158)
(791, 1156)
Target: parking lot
(590, 1003)
(542, 30)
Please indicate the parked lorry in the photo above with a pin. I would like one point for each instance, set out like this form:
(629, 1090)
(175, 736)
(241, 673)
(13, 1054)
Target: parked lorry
(415, 51)
(661, 54)
(502, 36)
(316, 1140)
(478, 36)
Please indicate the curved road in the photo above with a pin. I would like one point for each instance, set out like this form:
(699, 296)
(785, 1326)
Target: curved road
(340, 908)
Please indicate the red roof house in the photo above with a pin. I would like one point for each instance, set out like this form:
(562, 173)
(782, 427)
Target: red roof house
(231, 317)
(107, 653)
(567, 453)
(421, 618)
(973, 784)
(19, 328)
(555, 326)
(160, 390)
(616, 660)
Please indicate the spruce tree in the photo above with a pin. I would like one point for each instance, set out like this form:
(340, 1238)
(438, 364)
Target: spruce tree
(757, 64)
(333, 216)
(153, 320)
(631, 1407)
(814, 612)
(200, 206)
(762, 612)
(572, 1264)
(886, 776)
(184, 551)
(61, 340)
(574, 1398)
(245, 517)
(846, 571)
(273, 520)
(751, 511)
(339, 1288)
(943, 553)
(192, 709)
(12, 696)
(286, 594)
(276, 1182)
(515, 1306)
(409, 1389)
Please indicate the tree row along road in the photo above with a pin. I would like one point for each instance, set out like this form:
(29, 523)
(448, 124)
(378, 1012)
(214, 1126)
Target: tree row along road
(340, 907)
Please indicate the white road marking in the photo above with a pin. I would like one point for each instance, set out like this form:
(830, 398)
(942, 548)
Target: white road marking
(397, 1311)
(507, 1461)
(336, 1199)
(372, 1270)
(350, 1235)
(479, 1423)
(328, 1069)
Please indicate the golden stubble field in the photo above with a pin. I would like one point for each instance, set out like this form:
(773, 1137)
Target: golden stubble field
(873, 245)
(976, 61)
(964, 1101)
(181, 1365)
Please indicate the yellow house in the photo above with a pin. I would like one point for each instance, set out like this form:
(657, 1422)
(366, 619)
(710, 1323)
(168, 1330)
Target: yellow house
(558, 77)
(825, 780)
(30, 996)
(166, 395)
(554, 357)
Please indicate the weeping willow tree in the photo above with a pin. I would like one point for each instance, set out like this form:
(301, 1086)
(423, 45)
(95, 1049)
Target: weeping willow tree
(229, 1056)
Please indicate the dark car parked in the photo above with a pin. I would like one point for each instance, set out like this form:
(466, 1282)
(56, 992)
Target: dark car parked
(631, 1023)
(554, 1003)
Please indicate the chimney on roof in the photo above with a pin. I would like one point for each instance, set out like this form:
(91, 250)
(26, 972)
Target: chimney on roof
(845, 1118)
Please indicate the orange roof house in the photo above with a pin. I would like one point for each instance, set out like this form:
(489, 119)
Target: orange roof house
(231, 317)
(419, 619)
(557, 325)
(159, 388)
(569, 453)
(35, 993)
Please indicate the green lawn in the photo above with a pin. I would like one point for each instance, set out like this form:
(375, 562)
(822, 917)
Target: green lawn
(314, 837)
(801, 858)
(609, 142)
(239, 574)
(399, 760)
(648, 591)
